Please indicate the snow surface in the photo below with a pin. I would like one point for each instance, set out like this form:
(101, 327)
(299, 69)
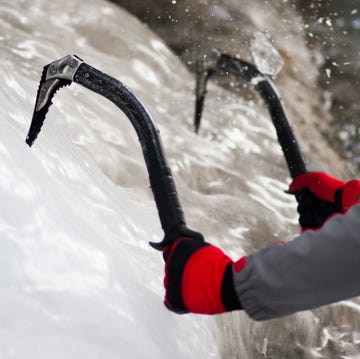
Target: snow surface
(78, 278)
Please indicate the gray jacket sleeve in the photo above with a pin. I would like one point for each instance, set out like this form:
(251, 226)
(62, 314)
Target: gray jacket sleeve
(316, 268)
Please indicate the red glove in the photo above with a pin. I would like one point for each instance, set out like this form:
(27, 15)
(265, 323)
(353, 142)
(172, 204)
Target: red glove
(321, 196)
(199, 278)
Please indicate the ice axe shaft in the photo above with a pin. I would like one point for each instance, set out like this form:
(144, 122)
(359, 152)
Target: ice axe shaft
(72, 69)
(217, 62)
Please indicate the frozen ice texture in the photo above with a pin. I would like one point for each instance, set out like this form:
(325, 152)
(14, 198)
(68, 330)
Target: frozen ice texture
(266, 57)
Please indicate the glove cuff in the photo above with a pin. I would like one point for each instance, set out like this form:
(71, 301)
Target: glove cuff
(199, 279)
(207, 283)
(350, 194)
(229, 297)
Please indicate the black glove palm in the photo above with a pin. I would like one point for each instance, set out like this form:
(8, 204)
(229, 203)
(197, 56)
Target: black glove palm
(313, 211)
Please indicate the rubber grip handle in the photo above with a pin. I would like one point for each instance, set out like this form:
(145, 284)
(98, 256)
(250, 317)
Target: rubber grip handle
(161, 180)
(285, 135)
(268, 93)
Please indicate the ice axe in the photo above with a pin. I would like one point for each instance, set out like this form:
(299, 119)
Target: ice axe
(217, 62)
(70, 69)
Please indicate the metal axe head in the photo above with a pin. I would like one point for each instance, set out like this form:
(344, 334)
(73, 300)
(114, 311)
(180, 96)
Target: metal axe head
(55, 75)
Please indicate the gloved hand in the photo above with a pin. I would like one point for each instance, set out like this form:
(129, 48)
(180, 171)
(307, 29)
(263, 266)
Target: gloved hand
(320, 196)
(199, 278)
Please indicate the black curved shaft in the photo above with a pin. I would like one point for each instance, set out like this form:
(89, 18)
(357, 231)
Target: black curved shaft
(161, 180)
(285, 134)
(226, 64)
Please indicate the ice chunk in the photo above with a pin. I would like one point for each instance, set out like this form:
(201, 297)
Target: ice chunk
(266, 57)
(220, 12)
